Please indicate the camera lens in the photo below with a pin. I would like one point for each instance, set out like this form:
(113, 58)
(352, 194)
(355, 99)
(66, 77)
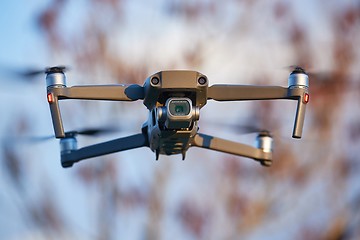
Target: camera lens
(179, 113)
(179, 107)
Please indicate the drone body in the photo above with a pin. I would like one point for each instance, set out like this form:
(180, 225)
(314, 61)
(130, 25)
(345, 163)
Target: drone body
(174, 100)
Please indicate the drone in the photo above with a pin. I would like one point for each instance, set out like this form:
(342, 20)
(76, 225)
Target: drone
(174, 99)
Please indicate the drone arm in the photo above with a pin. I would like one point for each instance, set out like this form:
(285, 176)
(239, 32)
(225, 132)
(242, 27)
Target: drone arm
(302, 96)
(226, 146)
(97, 92)
(225, 92)
(117, 145)
(56, 116)
(100, 92)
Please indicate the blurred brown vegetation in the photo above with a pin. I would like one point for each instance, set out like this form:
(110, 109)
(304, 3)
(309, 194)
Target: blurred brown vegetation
(247, 198)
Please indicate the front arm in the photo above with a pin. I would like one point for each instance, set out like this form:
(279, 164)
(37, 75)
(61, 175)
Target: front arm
(98, 92)
(222, 92)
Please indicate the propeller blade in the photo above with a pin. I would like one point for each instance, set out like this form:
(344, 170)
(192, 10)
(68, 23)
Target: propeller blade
(296, 69)
(33, 139)
(84, 132)
(245, 129)
(28, 73)
(56, 69)
(314, 74)
(94, 131)
(307, 70)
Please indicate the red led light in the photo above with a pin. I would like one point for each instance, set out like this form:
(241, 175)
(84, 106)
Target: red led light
(306, 98)
(50, 98)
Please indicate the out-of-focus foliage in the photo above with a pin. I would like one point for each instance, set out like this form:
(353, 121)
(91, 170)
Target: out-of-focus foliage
(312, 190)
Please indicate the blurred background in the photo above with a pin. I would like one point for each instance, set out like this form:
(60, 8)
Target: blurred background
(312, 190)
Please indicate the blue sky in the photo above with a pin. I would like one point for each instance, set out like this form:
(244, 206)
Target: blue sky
(20, 42)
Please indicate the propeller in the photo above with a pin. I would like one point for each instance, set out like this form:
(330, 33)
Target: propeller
(56, 69)
(91, 132)
(30, 73)
(247, 129)
(296, 69)
(308, 70)
(315, 75)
